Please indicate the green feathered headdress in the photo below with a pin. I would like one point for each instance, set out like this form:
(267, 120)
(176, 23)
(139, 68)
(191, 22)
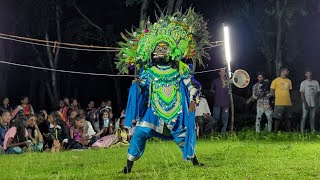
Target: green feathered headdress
(185, 33)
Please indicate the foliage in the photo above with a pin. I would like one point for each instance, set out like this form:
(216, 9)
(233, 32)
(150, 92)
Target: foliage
(185, 33)
(224, 159)
(264, 18)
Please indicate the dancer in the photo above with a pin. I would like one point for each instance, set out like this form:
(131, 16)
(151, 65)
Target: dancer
(163, 99)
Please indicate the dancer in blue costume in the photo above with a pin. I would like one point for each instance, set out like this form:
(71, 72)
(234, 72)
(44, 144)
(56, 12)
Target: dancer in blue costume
(163, 99)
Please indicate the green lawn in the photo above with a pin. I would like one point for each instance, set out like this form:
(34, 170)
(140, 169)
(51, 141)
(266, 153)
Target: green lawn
(224, 159)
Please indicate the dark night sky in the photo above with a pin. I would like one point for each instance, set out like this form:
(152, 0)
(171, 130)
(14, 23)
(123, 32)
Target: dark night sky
(114, 12)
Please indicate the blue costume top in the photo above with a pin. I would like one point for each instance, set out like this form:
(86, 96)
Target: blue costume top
(162, 99)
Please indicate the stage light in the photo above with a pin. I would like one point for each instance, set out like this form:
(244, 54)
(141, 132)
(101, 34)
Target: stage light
(227, 49)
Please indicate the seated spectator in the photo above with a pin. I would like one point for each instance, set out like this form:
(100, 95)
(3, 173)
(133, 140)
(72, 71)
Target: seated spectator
(75, 106)
(71, 118)
(26, 106)
(34, 133)
(43, 125)
(5, 105)
(78, 134)
(65, 110)
(91, 116)
(85, 129)
(43, 122)
(123, 133)
(120, 138)
(106, 123)
(58, 136)
(204, 119)
(107, 107)
(4, 127)
(61, 105)
(15, 140)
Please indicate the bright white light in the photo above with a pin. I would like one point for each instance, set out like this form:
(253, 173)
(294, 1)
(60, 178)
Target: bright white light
(227, 44)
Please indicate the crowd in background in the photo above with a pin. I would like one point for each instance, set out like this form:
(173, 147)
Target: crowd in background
(72, 128)
(273, 100)
(68, 128)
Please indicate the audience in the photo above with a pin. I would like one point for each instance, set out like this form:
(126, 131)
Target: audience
(78, 134)
(221, 99)
(58, 136)
(205, 121)
(261, 93)
(26, 107)
(5, 105)
(4, 127)
(15, 140)
(34, 133)
(74, 128)
(309, 90)
(280, 89)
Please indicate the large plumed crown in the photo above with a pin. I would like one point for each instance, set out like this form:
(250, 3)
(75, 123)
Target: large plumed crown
(185, 33)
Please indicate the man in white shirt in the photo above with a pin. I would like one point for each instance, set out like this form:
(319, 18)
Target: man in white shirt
(309, 90)
(204, 119)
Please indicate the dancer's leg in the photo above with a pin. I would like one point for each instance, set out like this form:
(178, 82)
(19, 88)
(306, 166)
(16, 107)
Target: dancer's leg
(137, 145)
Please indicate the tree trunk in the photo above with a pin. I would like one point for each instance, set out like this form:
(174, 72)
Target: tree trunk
(116, 81)
(143, 13)
(49, 92)
(279, 15)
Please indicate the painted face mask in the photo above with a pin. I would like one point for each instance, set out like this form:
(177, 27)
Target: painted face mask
(162, 51)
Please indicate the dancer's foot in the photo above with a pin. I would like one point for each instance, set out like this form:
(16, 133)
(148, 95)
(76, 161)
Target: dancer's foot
(127, 169)
(195, 161)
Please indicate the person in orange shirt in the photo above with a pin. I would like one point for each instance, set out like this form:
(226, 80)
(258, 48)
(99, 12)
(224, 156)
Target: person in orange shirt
(280, 89)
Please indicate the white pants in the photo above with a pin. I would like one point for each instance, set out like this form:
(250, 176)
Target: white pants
(312, 111)
(268, 113)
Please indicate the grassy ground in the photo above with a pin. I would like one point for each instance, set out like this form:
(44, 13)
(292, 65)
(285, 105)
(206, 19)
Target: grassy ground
(225, 158)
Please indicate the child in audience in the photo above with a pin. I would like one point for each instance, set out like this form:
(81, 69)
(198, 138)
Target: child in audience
(15, 140)
(72, 115)
(58, 136)
(78, 133)
(34, 133)
(120, 138)
(83, 134)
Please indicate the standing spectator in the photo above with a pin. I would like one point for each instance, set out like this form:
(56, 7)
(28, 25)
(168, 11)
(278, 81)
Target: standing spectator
(15, 140)
(4, 127)
(309, 90)
(261, 93)
(5, 105)
(204, 119)
(221, 99)
(280, 89)
(34, 133)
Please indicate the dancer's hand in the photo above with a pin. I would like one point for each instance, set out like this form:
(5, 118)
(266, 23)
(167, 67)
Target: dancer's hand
(192, 107)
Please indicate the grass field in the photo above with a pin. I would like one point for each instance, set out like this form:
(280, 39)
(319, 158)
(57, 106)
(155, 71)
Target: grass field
(233, 157)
